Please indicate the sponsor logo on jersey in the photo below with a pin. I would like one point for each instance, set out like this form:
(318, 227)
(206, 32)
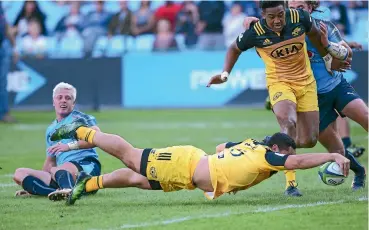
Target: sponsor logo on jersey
(287, 50)
(296, 31)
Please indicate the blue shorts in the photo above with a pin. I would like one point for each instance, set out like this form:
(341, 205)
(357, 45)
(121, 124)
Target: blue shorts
(89, 165)
(332, 103)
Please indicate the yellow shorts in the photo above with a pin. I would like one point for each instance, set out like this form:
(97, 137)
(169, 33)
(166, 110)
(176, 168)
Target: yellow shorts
(172, 167)
(305, 97)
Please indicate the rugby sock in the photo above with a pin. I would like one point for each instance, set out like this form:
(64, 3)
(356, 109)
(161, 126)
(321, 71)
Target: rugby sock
(290, 178)
(355, 166)
(85, 134)
(95, 183)
(64, 179)
(346, 142)
(35, 186)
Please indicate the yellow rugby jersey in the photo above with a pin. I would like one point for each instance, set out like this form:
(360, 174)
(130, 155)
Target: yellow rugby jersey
(285, 53)
(241, 166)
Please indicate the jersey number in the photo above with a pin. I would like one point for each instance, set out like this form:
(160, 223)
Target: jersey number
(236, 152)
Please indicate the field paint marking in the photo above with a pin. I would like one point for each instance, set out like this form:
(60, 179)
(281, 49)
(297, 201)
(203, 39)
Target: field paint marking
(2, 185)
(7, 175)
(230, 213)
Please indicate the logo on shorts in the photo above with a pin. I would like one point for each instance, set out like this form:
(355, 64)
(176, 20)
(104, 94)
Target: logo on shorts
(277, 95)
(153, 172)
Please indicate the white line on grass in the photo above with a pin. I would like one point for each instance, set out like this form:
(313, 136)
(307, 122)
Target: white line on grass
(230, 213)
(7, 175)
(7, 185)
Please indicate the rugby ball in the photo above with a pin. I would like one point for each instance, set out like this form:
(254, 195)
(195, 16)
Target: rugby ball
(331, 174)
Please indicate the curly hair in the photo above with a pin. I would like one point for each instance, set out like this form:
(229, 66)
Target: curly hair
(314, 4)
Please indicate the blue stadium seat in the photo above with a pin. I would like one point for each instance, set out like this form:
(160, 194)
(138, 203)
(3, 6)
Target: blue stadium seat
(100, 47)
(71, 47)
(52, 46)
(134, 5)
(145, 42)
(53, 13)
(157, 4)
(87, 8)
(112, 6)
(180, 39)
(12, 9)
(115, 47)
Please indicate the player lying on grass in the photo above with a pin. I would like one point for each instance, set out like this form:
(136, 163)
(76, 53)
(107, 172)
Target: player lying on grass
(63, 159)
(279, 39)
(238, 166)
(335, 94)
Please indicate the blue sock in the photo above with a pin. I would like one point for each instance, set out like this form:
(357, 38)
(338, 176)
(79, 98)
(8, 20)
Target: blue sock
(64, 179)
(35, 186)
(346, 142)
(355, 166)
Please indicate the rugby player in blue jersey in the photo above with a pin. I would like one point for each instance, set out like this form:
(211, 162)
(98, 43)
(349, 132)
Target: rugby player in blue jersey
(64, 159)
(335, 96)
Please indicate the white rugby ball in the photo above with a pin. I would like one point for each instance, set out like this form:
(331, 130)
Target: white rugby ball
(331, 174)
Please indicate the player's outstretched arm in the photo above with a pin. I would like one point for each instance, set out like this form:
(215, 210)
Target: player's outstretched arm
(243, 42)
(233, 53)
(310, 160)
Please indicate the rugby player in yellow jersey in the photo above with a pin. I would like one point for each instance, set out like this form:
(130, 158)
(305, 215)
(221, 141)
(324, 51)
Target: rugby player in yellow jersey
(279, 39)
(237, 166)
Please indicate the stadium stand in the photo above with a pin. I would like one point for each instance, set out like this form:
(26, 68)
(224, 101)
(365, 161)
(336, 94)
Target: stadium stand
(114, 46)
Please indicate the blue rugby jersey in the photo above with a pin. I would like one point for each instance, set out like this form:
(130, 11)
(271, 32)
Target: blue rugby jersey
(72, 155)
(325, 81)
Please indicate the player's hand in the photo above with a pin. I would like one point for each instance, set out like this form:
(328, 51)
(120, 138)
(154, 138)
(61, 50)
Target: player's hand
(58, 148)
(217, 79)
(324, 34)
(343, 162)
(340, 66)
(247, 22)
(355, 45)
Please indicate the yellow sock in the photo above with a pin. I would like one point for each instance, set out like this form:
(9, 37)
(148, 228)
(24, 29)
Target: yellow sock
(290, 178)
(85, 134)
(95, 183)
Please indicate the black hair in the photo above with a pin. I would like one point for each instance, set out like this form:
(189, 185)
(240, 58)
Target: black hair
(37, 13)
(282, 140)
(270, 4)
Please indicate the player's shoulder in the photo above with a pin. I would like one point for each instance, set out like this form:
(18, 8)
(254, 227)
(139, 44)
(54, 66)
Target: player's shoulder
(275, 158)
(78, 114)
(321, 13)
(297, 15)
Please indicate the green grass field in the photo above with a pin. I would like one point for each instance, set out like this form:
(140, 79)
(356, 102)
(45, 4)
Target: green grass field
(261, 207)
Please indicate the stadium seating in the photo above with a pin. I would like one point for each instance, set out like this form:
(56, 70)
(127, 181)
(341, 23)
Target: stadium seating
(145, 42)
(71, 48)
(117, 45)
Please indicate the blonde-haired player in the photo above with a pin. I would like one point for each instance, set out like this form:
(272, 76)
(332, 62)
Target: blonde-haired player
(64, 159)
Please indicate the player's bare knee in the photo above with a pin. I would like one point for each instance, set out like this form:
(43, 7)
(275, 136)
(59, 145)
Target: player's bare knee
(307, 142)
(19, 175)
